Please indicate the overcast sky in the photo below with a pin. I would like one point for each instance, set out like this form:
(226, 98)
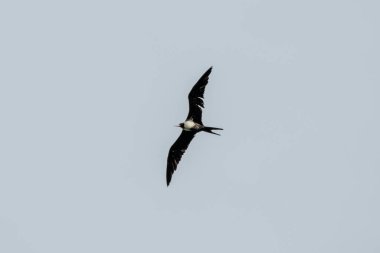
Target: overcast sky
(90, 92)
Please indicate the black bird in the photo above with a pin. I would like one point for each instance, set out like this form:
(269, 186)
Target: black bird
(192, 125)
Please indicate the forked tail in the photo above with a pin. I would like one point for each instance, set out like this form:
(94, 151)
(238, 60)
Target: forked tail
(209, 129)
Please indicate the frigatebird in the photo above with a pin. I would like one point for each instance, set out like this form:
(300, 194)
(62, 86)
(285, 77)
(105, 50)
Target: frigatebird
(192, 125)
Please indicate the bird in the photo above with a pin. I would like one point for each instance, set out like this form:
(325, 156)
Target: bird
(191, 126)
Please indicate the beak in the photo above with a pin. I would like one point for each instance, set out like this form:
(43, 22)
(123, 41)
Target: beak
(177, 126)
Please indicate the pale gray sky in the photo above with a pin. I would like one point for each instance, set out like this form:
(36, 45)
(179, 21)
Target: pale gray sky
(90, 91)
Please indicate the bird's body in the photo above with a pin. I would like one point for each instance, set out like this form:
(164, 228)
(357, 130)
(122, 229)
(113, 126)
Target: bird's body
(192, 125)
(188, 125)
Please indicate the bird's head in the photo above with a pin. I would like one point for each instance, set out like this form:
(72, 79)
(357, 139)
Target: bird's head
(180, 125)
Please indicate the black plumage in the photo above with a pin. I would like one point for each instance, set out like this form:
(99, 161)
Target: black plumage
(191, 126)
(196, 98)
(176, 151)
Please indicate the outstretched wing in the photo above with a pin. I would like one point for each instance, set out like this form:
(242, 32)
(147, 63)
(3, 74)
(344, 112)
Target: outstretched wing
(176, 151)
(196, 98)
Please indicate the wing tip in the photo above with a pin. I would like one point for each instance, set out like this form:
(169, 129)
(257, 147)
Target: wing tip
(168, 179)
(205, 75)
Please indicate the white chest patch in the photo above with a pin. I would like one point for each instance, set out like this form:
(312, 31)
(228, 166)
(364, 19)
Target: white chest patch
(188, 125)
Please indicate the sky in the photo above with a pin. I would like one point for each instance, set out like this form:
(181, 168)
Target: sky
(90, 92)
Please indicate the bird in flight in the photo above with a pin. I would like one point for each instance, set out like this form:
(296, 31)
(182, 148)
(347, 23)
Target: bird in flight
(192, 125)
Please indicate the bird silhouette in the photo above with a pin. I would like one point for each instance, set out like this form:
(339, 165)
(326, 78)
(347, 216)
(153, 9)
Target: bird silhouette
(192, 125)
